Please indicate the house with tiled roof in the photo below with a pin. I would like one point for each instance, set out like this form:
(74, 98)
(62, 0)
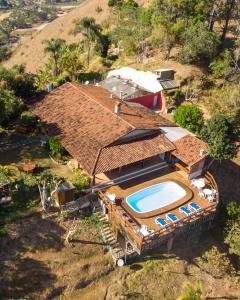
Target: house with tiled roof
(146, 88)
(104, 133)
(142, 165)
(99, 130)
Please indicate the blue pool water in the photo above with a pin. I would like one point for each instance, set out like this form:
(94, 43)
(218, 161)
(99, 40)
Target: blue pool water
(155, 197)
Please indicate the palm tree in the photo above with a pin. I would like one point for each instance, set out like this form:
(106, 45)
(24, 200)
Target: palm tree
(90, 30)
(192, 292)
(70, 60)
(54, 48)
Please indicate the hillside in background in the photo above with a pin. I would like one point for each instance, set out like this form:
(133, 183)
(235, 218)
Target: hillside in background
(30, 51)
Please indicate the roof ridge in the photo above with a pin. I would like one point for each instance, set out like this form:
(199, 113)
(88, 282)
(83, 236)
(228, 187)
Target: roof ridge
(133, 127)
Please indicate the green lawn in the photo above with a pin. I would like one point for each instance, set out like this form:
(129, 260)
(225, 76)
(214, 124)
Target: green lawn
(36, 153)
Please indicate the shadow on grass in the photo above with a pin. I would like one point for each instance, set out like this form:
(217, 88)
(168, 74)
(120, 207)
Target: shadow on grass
(21, 275)
(86, 242)
(227, 176)
(33, 152)
(221, 298)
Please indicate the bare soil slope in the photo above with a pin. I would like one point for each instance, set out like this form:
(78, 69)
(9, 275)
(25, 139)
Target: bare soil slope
(31, 49)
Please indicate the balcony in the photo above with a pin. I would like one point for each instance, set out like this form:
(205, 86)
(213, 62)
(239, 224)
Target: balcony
(123, 219)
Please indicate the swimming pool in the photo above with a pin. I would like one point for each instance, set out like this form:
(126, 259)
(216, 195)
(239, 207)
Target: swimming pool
(155, 197)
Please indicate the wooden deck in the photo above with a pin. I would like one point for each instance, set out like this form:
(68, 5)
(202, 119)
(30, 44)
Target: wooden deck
(122, 217)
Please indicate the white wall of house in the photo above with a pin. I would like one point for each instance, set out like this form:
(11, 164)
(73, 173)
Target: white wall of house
(197, 169)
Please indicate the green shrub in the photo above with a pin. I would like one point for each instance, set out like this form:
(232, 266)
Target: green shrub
(215, 263)
(189, 117)
(55, 147)
(205, 82)
(233, 211)
(79, 180)
(219, 133)
(10, 105)
(174, 97)
(6, 175)
(232, 230)
(199, 43)
(5, 53)
(28, 119)
(232, 237)
(192, 292)
(221, 66)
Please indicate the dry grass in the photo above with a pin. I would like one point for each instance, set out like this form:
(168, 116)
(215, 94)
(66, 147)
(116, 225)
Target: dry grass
(156, 61)
(35, 263)
(31, 50)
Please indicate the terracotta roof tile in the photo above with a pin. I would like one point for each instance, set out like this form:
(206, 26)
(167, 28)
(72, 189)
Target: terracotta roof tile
(188, 149)
(116, 156)
(83, 118)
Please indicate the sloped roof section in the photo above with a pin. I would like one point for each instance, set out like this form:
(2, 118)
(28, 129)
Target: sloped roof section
(139, 117)
(116, 156)
(83, 118)
(188, 149)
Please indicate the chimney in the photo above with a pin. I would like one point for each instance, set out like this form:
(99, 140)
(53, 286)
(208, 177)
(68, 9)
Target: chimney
(117, 109)
(121, 94)
(202, 152)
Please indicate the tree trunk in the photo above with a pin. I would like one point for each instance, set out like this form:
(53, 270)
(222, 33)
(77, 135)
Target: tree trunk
(211, 20)
(88, 52)
(43, 195)
(55, 66)
(229, 9)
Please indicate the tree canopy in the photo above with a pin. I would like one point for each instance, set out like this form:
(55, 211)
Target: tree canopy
(54, 48)
(232, 231)
(189, 117)
(219, 133)
(91, 31)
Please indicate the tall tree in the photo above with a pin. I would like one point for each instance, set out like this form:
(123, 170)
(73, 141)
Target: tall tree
(133, 29)
(199, 43)
(6, 27)
(54, 48)
(90, 30)
(228, 10)
(219, 133)
(70, 60)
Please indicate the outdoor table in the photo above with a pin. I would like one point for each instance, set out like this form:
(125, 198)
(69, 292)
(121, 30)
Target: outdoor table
(208, 192)
(199, 184)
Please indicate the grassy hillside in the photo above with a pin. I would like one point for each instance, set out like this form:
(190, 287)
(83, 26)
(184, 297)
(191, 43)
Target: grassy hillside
(34, 248)
(30, 50)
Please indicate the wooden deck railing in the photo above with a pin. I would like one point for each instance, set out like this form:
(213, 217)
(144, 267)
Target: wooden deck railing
(181, 222)
(121, 217)
(182, 168)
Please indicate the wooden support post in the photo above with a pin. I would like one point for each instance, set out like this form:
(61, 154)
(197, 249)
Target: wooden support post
(170, 244)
